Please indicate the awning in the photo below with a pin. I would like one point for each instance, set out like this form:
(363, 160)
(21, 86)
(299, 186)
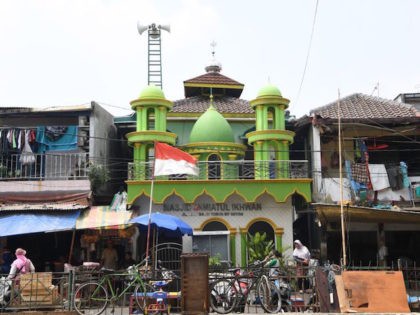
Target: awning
(103, 217)
(332, 213)
(26, 223)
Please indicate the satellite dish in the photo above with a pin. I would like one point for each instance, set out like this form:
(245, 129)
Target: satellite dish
(141, 28)
(166, 28)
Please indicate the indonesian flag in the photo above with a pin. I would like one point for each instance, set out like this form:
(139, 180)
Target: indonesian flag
(170, 161)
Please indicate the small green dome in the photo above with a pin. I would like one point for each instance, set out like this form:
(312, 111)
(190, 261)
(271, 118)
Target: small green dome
(269, 90)
(152, 91)
(211, 127)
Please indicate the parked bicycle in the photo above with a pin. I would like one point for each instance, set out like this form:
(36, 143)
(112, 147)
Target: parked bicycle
(92, 297)
(254, 287)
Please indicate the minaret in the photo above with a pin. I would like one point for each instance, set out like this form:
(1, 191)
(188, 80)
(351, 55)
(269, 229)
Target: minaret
(272, 137)
(151, 103)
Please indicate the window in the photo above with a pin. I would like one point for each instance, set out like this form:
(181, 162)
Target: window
(212, 242)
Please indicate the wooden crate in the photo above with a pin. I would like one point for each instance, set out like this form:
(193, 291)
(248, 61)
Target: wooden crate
(36, 288)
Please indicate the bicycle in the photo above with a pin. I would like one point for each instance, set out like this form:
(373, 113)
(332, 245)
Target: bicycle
(92, 297)
(229, 294)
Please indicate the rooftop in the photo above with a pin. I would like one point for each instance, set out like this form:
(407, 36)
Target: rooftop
(361, 106)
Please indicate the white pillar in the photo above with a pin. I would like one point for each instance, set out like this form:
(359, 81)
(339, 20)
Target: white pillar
(316, 160)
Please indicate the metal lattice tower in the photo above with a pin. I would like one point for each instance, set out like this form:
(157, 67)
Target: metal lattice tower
(154, 56)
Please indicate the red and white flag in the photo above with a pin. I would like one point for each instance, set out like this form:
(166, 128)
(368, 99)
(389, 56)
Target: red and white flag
(171, 161)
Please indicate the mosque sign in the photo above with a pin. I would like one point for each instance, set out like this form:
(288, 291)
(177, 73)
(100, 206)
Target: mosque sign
(212, 209)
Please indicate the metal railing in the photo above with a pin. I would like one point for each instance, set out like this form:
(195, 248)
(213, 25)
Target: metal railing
(229, 170)
(48, 166)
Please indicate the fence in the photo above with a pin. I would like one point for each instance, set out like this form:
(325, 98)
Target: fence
(228, 170)
(44, 166)
(46, 290)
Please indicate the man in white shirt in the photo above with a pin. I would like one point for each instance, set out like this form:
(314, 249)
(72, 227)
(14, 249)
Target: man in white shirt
(109, 258)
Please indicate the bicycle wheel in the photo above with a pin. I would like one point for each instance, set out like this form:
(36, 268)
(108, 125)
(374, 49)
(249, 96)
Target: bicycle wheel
(223, 296)
(90, 298)
(269, 295)
(141, 295)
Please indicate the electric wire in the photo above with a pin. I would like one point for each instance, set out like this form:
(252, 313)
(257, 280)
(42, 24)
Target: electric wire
(307, 54)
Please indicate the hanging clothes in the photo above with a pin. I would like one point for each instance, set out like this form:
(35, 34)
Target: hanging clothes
(27, 156)
(404, 173)
(54, 138)
(359, 172)
(363, 151)
(378, 177)
(395, 177)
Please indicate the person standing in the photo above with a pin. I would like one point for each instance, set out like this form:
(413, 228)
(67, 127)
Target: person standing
(20, 265)
(109, 258)
(272, 261)
(302, 257)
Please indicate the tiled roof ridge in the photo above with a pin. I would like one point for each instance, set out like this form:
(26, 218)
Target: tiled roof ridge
(370, 104)
(224, 104)
(213, 74)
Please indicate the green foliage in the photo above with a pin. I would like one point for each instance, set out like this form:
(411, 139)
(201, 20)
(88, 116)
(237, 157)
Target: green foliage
(98, 175)
(214, 260)
(258, 246)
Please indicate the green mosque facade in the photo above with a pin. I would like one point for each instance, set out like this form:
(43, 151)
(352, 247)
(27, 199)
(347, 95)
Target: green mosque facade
(246, 178)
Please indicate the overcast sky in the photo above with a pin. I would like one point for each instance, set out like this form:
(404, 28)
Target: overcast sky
(70, 52)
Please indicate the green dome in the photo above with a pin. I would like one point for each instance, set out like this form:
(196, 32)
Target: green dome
(152, 91)
(211, 127)
(269, 90)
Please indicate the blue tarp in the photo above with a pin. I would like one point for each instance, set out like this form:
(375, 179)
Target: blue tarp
(25, 223)
(163, 221)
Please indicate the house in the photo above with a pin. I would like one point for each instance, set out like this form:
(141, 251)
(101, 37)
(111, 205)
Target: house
(45, 156)
(380, 176)
(247, 183)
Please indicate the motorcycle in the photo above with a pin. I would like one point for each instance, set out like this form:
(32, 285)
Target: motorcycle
(285, 293)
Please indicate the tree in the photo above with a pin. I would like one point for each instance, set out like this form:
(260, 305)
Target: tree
(258, 246)
(98, 175)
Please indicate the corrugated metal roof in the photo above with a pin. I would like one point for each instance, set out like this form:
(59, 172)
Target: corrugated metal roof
(47, 206)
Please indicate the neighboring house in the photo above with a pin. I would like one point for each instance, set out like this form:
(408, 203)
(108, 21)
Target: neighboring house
(45, 155)
(248, 181)
(409, 98)
(379, 138)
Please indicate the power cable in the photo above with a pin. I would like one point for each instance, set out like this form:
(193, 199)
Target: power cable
(307, 54)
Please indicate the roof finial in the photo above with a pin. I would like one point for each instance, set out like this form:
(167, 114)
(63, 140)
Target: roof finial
(214, 65)
(211, 98)
(213, 44)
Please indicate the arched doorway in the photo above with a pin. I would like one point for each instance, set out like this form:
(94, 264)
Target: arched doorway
(260, 248)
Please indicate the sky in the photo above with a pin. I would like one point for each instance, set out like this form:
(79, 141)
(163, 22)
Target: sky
(72, 52)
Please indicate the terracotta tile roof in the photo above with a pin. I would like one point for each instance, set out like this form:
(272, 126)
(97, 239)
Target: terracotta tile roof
(224, 104)
(213, 78)
(361, 106)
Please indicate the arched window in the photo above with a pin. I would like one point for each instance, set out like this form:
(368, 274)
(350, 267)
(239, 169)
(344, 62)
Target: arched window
(215, 226)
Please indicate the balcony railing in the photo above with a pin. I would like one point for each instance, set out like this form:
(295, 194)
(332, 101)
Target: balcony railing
(229, 170)
(49, 166)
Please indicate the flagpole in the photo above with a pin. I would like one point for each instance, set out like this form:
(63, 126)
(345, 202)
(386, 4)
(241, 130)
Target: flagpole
(150, 213)
(343, 232)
